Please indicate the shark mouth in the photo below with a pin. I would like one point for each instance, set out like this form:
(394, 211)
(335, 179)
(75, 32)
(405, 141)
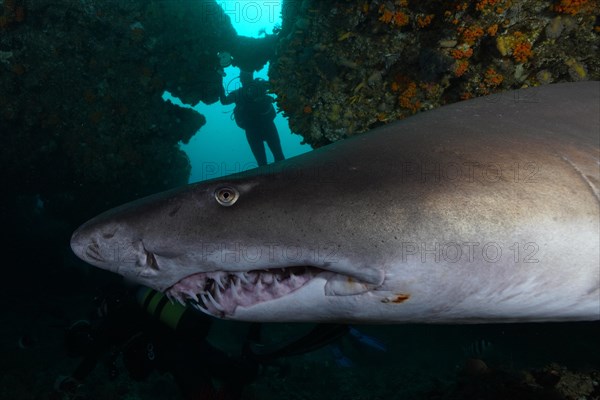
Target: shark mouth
(220, 293)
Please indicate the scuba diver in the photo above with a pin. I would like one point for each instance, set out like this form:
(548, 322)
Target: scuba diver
(168, 338)
(254, 113)
(171, 338)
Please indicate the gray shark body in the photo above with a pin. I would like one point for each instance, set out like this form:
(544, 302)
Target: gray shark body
(481, 211)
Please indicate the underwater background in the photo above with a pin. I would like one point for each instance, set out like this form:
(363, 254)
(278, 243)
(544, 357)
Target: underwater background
(105, 102)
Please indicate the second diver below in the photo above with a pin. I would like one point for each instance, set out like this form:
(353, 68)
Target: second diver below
(254, 113)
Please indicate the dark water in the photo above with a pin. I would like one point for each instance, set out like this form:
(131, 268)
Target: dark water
(84, 128)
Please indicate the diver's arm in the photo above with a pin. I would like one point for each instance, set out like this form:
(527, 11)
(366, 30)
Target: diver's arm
(227, 99)
(263, 85)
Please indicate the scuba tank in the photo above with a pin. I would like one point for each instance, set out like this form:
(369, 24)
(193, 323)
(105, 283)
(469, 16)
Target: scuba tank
(174, 315)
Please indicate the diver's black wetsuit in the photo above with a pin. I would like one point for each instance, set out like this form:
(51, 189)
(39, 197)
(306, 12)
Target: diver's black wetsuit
(151, 342)
(254, 113)
(147, 344)
(257, 134)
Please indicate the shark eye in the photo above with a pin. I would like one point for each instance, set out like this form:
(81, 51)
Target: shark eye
(226, 196)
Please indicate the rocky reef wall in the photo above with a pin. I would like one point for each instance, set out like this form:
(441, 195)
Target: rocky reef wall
(343, 67)
(82, 120)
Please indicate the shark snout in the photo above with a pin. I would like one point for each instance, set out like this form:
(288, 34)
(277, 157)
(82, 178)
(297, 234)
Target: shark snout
(76, 243)
(80, 244)
(86, 247)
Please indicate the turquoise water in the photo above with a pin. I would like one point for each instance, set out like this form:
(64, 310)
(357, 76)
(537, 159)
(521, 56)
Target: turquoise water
(220, 148)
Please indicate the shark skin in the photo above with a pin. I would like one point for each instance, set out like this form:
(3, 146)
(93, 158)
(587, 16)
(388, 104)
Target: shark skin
(482, 211)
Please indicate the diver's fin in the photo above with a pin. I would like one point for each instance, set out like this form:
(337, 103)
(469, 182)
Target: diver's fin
(367, 340)
(339, 357)
(319, 336)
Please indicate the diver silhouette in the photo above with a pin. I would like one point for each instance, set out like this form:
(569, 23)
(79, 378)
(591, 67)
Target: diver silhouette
(254, 113)
(168, 338)
(171, 338)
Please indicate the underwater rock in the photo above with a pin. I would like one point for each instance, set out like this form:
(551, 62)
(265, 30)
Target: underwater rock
(553, 382)
(414, 56)
(82, 118)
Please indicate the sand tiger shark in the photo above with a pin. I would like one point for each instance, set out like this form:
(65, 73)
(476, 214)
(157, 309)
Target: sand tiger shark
(485, 210)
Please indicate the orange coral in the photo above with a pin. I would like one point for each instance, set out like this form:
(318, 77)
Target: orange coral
(516, 45)
(394, 17)
(483, 4)
(461, 67)
(386, 15)
(471, 34)
(487, 6)
(307, 109)
(423, 21)
(460, 53)
(493, 78)
(492, 30)
(400, 18)
(466, 96)
(522, 52)
(571, 7)
(408, 98)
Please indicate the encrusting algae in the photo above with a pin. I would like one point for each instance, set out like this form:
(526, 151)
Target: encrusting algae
(385, 60)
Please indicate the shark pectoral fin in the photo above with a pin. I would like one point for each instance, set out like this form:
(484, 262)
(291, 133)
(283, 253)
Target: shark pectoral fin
(340, 285)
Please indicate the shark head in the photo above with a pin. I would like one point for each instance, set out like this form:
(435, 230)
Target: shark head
(228, 244)
(359, 230)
